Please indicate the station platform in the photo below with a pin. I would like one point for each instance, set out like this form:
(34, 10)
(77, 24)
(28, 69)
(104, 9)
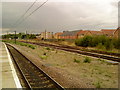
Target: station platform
(8, 77)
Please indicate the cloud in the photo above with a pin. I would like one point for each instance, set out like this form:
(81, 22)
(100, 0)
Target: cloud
(59, 15)
(4, 29)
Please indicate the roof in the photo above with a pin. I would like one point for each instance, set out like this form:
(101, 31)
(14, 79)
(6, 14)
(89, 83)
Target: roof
(58, 33)
(96, 32)
(117, 30)
(82, 32)
(109, 32)
(70, 33)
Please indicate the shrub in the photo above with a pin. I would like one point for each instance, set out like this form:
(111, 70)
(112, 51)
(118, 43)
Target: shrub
(85, 41)
(97, 85)
(100, 46)
(77, 61)
(44, 53)
(100, 41)
(43, 57)
(87, 60)
(47, 48)
(116, 43)
(61, 39)
(31, 46)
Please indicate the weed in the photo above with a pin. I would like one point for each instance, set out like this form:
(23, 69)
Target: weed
(108, 76)
(47, 48)
(77, 61)
(87, 60)
(31, 46)
(100, 73)
(99, 59)
(43, 57)
(44, 53)
(56, 51)
(97, 85)
(21, 43)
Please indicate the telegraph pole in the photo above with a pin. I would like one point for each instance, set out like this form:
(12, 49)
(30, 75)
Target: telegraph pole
(52, 35)
(26, 36)
(45, 34)
(15, 37)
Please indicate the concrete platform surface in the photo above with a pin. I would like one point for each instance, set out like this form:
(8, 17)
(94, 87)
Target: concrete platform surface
(8, 75)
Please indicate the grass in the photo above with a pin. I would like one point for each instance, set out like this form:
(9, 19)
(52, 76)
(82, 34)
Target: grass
(97, 84)
(20, 43)
(43, 57)
(77, 61)
(44, 53)
(31, 46)
(108, 75)
(47, 48)
(87, 60)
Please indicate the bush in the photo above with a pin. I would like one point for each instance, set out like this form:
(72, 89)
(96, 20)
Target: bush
(43, 57)
(44, 53)
(85, 41)
(31, 46)
(20, 43)
(77, 61)
(47, 48)
(102, 42)
(116, 43)
(61, 39)
(97, 85)
(100, 46)
(87, 60)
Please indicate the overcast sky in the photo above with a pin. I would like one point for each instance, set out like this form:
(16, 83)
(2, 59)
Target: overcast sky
(60, 15)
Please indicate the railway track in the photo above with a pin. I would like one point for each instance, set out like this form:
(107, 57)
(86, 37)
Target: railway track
(33, 76)
(75, 50)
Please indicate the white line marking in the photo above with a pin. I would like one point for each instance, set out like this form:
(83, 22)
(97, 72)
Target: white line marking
(17, 82)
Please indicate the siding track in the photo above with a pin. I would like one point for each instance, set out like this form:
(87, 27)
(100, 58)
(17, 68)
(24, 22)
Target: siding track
(115, 57)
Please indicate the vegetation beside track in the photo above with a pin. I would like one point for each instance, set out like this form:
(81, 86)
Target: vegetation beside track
(97, 73)
(19, 43)
(100, 42)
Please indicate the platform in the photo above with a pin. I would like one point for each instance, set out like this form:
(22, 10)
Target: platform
(8, 75)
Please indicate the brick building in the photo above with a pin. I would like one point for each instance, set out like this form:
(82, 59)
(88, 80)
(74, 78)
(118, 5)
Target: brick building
(83, 33)
(46, 35)
(108, 32)
(93, 33)
(70, 34)
(57, 35)
(117, 33)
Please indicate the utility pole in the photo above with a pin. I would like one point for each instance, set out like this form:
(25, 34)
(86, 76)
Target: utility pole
(26, 36)
(7, 35)
(15, 37)
(45, 34)
(52, 35)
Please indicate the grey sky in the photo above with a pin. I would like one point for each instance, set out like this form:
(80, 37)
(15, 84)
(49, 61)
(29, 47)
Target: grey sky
(58, 16)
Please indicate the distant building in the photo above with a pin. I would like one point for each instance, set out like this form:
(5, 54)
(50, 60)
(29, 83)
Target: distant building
(108, 32)
(117, 33)
(93, 33)
(57, 35)
(46, 35)
(79, 34)
(69, 34)
(83, 33)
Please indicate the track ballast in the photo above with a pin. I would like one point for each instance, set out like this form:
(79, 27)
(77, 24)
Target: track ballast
(75, 50)
(33, 76)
